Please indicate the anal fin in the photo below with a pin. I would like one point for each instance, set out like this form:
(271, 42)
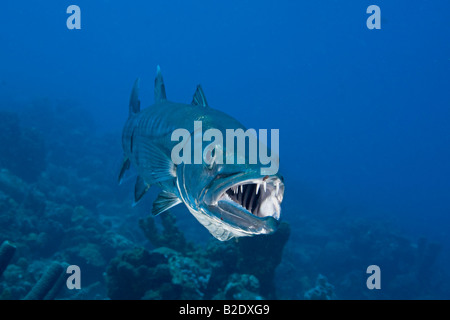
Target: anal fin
(165, 201)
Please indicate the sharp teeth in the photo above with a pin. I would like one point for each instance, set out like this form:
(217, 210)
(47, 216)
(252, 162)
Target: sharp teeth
(242, 188)
(265, 186)
(278, 188)
(234, 190)
(257, 188)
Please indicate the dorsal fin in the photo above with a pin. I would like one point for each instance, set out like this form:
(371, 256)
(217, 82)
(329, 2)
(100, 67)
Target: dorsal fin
(160, 89)
(135, 104)
(199, 98)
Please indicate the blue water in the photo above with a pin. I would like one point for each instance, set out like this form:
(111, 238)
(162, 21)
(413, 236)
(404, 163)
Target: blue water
(364, 115)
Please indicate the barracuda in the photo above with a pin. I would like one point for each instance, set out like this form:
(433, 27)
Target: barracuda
(230, 200)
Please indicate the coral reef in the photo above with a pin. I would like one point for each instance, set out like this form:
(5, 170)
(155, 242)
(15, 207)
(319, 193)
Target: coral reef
(225, 270)
(170, 237)
(189, 276)
(322, 291)
(261, 255)
(134, 272)
(63, 204)
(52, 214)
(241, 287)
(257, 256)
(7, 251)
(344, 255)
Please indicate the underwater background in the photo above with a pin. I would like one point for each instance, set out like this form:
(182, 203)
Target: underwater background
(364, 120)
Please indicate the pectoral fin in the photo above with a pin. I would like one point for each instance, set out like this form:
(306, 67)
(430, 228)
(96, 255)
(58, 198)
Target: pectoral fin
(165, 201)
(154, 162)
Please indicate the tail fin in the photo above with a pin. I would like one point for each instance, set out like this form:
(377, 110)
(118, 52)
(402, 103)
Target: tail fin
(135, 104)
(160, 89)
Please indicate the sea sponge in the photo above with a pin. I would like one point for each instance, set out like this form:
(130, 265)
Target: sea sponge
(49, 284)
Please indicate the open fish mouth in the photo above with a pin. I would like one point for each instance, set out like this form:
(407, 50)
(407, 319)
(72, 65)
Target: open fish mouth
(260, 197)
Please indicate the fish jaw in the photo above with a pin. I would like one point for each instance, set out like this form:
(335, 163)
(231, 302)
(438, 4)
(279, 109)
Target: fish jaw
(240, 204)
(224, 225)
(260, 196)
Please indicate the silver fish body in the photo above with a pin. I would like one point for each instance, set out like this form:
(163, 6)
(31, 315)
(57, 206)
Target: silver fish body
(230, 200)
